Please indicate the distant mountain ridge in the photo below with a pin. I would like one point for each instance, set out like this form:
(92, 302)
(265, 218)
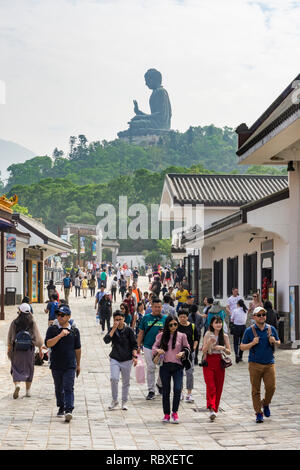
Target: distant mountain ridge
(10, 153)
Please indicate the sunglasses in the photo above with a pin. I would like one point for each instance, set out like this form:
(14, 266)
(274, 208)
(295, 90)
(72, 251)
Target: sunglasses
(261, 315)
(173, 324)
(61, 315)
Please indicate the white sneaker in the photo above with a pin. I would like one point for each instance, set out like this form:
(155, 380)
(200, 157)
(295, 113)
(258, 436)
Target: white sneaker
(102, 332)
(189, 399)
(212, 415)
(113, 405)
(28, 393)
(124, 406)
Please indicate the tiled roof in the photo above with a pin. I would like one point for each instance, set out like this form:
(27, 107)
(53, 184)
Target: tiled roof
(222, 190)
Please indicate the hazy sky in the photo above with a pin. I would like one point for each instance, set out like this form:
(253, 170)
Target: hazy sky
(74, 66)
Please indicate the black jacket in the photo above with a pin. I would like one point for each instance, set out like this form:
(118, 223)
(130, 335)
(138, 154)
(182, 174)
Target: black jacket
(123, 344)
(187, 359)
(272, 318)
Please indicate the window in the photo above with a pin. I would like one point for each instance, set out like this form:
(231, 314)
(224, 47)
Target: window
(232, 274)
(250, 274)
(218, 279)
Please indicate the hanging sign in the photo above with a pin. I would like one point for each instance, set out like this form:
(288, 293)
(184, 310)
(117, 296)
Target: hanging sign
(82, 245)
(11, 247)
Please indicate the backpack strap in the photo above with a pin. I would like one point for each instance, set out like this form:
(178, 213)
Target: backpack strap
(193, 328)
(152, 324)
(254, 331)
(269, 330)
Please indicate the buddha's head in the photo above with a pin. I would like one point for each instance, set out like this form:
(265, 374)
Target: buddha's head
(153, 79)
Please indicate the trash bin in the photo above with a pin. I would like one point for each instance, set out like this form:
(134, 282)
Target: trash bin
(10, 295)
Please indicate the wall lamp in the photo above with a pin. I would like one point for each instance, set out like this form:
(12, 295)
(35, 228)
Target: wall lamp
(254, 237)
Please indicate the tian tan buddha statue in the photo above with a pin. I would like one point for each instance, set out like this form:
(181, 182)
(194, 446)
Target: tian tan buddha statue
(160, 118)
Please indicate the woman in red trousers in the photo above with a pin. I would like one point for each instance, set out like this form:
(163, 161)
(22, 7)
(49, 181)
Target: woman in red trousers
(215, 343)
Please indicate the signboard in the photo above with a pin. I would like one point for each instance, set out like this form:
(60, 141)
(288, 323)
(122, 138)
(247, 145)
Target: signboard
(294, 312)
(94, 248)
(272, 296)
(11, 247)
(82, 245)
(34, 283)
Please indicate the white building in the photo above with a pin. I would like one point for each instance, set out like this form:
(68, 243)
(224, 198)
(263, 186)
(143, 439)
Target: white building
(243, 241)
(25, 270)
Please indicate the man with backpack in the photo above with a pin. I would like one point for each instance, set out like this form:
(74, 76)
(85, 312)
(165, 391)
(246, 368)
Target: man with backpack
(193, 339)
(151, 324)
(67, 285)
(64, 341)
(260, 340)
(52, 306)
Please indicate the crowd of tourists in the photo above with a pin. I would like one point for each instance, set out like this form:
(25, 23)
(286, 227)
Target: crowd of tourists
(158, 331)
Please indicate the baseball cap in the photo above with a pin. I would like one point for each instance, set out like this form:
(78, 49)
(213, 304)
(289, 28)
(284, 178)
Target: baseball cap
(25, 308)
(259, 309)
(65, 309)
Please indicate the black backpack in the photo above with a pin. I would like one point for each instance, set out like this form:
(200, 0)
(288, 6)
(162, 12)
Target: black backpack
(23, 341)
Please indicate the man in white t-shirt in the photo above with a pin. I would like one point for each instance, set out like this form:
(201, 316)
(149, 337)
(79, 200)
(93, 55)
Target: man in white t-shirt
(127, 276)
(232, 302)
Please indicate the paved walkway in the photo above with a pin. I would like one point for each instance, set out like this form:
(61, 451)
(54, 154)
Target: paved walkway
(31, 423)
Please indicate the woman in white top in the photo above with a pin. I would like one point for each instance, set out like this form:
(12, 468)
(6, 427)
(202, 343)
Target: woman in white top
(215, 343)
(239, 319)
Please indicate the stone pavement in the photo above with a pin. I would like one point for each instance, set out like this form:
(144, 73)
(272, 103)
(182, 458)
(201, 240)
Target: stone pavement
(31, 423)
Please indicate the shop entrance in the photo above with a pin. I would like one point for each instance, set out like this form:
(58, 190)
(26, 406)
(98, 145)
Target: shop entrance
(33, 275)
(267, 276)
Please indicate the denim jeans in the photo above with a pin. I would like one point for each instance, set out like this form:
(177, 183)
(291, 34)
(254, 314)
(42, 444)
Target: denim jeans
(64, 388)
(167, 371)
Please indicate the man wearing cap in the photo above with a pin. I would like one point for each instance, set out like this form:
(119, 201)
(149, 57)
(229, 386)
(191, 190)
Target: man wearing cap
(64, 341)
(105, 311)
(260, 340)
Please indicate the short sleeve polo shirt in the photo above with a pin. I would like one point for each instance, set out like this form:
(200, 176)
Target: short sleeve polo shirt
(262, 353)
(63, 353)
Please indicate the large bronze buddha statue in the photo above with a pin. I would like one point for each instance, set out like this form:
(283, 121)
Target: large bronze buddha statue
(160, 117)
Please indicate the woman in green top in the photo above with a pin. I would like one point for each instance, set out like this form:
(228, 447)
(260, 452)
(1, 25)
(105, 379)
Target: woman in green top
(128, 318)
(217, 310)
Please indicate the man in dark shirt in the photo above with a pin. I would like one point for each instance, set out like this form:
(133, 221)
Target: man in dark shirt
(193, 338)
(64, 341)
(122, 356)
(105, 311)
(189, 303)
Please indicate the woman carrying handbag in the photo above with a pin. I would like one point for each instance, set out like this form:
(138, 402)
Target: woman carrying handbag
(168, 348)
(215, 349)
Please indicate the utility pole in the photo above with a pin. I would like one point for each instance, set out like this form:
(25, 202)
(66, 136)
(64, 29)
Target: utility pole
(78, 252)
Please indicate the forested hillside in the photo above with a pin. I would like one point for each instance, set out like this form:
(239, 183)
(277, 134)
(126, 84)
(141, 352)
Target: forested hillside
(97, 162)
(62, 189)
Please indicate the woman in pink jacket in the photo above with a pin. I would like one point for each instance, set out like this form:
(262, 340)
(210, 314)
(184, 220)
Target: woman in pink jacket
(169, 345)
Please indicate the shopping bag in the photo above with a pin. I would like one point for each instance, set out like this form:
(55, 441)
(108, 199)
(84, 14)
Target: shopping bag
(140, 371)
